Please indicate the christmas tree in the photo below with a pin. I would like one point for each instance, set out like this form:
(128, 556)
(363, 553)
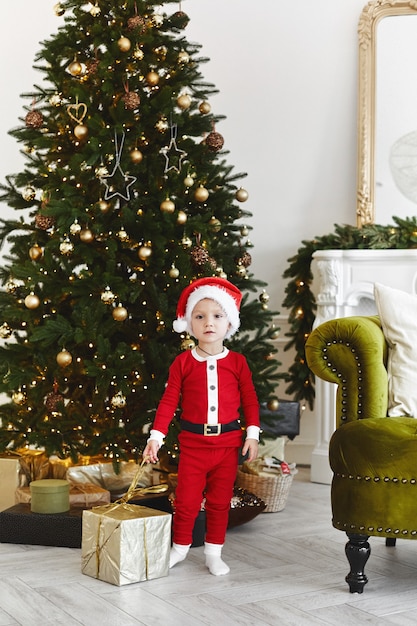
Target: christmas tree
(126, 196)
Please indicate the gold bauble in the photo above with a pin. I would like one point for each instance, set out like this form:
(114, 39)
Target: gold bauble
(136, 156)
(186, 242)
(144, 252)
(188, 181)
(66, 247)
(124, 44)
(138, 53)
(204, 107)
(119, 313)
(201, 194)
(64, 358)
(107, 296)
(181, 217)
(167, 206)
(35, 252)
(152, 78)
(75, 228)
(32, 301)
(86, 235)
(273, 404)
(75, 68)
(104, 206)
(264, 297)
(174, 271)
(95, 11)
(81, 131)
(215, 224)
(183, 56)
(29, 193)
(59, 10)
(241, 195)
(118, 401)
(5, 331)
(184, 101)
(19, 397)
(187, 343)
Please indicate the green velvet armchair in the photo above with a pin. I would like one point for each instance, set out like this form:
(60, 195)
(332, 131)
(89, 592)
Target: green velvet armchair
(373, 457)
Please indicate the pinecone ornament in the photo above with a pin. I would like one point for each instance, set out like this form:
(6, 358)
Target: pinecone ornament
(199, 255)
(245, 259)
(137, 22)
(44, 222)
(53, 400)
(214, 141)
(131, 100)
(34, 119)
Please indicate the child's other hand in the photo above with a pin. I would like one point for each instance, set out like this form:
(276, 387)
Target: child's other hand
(250, 447)
(150, 453)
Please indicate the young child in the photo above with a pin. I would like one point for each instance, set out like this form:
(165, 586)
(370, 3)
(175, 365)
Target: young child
(211, 383)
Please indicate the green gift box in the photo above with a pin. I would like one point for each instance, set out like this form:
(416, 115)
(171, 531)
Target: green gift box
(49, 495)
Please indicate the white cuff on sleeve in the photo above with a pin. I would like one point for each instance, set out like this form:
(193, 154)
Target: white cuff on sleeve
(156, 435)
(252, 432)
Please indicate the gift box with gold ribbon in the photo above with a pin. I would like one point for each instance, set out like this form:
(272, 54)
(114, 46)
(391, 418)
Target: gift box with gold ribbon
(125, 543)
(84, 495)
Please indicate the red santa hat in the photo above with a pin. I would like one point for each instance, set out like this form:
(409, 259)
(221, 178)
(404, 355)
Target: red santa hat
(218, 289)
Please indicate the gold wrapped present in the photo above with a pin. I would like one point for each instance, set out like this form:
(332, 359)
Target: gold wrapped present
(84, 495)
(125, 543)
(9, 479)
(103, 475)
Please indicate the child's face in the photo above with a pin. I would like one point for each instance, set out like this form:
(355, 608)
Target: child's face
(209, 322)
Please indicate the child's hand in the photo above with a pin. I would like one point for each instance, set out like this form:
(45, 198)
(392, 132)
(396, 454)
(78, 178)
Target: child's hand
(150, 453)
(250, 447)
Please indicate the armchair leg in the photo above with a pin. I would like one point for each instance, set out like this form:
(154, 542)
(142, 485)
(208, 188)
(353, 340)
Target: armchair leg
(357, 552)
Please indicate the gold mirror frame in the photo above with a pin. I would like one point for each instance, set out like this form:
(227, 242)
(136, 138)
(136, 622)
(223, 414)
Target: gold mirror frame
(373, 12)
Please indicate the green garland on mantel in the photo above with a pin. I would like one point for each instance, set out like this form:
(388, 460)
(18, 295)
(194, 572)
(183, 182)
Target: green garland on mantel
(301, 301)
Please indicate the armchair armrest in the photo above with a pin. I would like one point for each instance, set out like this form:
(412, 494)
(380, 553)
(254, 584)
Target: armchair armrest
(352, 352)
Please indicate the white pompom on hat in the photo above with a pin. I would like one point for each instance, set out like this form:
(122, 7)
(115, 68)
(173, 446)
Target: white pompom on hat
(220, 290)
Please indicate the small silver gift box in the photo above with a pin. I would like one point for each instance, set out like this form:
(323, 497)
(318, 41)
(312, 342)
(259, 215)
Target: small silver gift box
(125, 543)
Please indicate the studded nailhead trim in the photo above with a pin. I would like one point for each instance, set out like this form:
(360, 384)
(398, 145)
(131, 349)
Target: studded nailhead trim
(343, 381)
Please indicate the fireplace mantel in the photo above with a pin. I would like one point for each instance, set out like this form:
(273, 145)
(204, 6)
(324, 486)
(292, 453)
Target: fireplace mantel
(344, 286)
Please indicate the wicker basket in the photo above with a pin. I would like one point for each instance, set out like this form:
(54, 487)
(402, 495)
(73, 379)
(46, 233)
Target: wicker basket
(273, 490)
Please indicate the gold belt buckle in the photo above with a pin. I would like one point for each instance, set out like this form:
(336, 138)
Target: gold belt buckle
(212, 430)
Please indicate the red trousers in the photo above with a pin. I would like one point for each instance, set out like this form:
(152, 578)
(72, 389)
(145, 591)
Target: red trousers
(208, 472)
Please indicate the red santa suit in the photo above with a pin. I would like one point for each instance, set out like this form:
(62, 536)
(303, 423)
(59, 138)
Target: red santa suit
(209, 391)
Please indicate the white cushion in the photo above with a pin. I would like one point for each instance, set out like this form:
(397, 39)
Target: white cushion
(397, 311)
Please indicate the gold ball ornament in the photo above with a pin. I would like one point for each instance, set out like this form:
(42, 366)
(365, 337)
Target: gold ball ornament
(274, 334)
(64, 358)
(187, 343)
(104, 206)
(152, 78)
(215, 224)
(183, 57)
(55, 100)
(181, 217)
(144, 252)
(29, 193)
(107, 296)
(5, 331)
(241, 195)
(167, 206)
(35, 252)
(186, 242)
(59, 10)
(201, 194)
(95, 11)
(86, 235)
(122, 235)
(81, 132)
(75, 228)
(138, 53)
(119, 313)
(124, 44)
(184, 101)
(188, 181)
(32, 301)
(66, 247)
(118, 401)
(244, 231)
(264, 297)
(18, 397)
(136, 156)
(174, 272)
(204, 107)
(273, 404)
(75, 68)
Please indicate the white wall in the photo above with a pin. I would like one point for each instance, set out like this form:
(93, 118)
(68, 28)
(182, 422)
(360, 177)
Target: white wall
(287, 75)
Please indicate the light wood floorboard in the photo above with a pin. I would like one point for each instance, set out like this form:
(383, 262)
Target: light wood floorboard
(287, 568)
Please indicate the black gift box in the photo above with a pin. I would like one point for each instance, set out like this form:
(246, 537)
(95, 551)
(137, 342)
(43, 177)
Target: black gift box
(283, 421)
(19, 525)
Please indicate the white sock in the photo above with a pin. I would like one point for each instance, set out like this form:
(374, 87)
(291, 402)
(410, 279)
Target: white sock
(214, 561)
(178, 553)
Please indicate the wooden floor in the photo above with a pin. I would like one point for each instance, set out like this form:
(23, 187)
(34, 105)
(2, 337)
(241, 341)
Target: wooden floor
(287, 568)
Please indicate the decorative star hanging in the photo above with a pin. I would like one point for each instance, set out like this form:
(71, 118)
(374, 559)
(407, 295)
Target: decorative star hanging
(118, 176)
(173, 155)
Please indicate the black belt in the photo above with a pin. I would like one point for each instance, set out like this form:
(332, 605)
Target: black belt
(210, 430)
